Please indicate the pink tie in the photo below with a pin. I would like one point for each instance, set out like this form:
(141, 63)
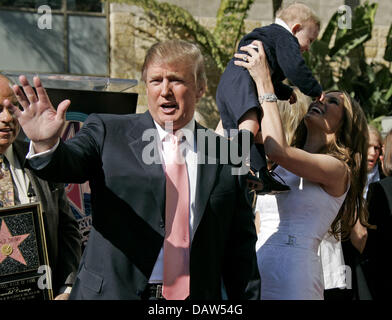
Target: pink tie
(176, 243)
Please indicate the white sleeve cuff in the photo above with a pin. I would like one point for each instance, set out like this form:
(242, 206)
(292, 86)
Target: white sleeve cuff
(40, 160)
(67, 290)
(32, 154)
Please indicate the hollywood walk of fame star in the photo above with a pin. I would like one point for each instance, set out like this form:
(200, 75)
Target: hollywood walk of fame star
(9, 244)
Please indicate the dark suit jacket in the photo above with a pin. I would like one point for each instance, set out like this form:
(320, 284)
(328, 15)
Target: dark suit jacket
(379, 242)
(128, 209)
(237, 93)
(61, 228)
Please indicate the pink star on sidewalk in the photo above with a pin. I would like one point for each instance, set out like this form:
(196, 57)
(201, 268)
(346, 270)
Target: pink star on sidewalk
(9, 244)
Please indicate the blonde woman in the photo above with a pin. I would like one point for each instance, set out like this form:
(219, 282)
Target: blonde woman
(326, 171)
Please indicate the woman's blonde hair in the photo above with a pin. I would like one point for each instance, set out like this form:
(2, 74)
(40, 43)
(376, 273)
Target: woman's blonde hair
(350, 146)
(292, 114)
(387, 161)
(176, 52)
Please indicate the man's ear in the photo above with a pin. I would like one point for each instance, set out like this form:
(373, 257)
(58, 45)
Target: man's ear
(296, 27)
(200, 93)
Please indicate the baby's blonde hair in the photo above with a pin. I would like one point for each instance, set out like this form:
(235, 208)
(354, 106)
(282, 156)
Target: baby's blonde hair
(298, 12)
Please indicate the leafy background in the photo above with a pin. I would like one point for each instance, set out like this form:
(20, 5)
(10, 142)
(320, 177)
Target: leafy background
(337, 58)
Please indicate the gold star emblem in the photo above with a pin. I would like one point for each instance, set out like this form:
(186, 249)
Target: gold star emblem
(9, 244)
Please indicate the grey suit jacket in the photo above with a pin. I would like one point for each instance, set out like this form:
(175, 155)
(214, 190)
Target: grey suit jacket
(61, 228)
(128, 209)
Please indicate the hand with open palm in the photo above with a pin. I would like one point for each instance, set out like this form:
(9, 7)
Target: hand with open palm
(40, 121)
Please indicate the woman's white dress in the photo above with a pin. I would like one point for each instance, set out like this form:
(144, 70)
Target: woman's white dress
(292, 225)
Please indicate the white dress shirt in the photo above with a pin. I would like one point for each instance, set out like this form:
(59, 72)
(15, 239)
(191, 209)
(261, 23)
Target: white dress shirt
(283, 24)
(372, 176)
(336, 274)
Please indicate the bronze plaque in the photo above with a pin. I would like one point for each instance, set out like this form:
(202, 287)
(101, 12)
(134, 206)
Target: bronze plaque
(24, 265)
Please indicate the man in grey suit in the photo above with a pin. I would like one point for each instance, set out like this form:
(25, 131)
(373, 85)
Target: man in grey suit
(61, 228)
(135, 192)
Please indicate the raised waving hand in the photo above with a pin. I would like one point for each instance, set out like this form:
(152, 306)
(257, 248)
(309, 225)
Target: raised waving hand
(40, 121)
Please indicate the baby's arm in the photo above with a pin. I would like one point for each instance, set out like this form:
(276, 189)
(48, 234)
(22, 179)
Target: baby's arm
(293, 65)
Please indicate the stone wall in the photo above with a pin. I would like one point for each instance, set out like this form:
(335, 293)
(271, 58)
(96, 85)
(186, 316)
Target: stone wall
(375, 47)
(131, 34)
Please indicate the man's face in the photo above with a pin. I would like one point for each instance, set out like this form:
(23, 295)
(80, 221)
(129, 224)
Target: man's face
(172, 93)
(306, 35)
(9, 126)
(373, 151)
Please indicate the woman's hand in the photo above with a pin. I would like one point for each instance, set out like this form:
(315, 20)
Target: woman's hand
(256, 62)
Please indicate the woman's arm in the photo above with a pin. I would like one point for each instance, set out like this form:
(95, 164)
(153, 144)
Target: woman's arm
(326, 170)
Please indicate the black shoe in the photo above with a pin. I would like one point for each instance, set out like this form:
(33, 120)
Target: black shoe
(266, 184)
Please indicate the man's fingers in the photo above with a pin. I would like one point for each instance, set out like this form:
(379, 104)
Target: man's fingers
(42, 95)
(62, 296)
(20, 96)
(62, 109)
(28, 90)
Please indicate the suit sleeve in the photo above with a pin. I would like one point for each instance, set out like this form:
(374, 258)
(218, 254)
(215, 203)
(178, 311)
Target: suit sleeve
(294, 67)
(379, 216)
(77, 159)
(69, 242)
(378, 242)
(241, 276)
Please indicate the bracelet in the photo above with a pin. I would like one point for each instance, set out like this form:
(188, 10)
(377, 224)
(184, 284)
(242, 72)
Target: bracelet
(269, 97)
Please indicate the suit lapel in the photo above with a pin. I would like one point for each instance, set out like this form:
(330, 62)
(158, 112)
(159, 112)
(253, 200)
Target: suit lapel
(206, 177)
(386, 184)
(21, 148)
(149, 206)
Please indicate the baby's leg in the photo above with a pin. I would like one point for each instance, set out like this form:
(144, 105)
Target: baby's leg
(265, 183)
(250, 121)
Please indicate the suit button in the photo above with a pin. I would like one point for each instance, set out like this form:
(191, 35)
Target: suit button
(162, 224)
(139, 292)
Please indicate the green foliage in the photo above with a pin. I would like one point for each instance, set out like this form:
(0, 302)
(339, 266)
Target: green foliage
(179, 23)
(230, 25)
(218, 46)
(388, 50)
(337, 59)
